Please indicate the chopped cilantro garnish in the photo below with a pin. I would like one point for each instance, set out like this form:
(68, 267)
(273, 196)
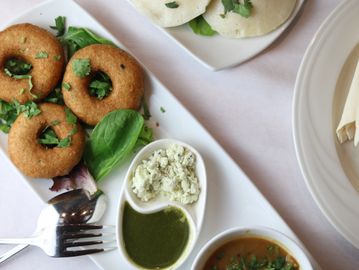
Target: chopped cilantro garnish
(81, 67)
(146, 112)
(56, 57)
(100, 86)
(59, 25)
(19, 77)
(162, 109)
(41, 55)
(49, 137)
(244, 9)
(173, 4)
(70, 117)
(66, 85)
(16, 67)
(55, 96)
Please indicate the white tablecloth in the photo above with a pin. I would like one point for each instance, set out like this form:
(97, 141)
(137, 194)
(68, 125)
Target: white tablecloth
(246, 108)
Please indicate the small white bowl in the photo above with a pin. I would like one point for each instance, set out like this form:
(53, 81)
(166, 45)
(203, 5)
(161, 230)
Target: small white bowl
(261, 232)
(194, 212)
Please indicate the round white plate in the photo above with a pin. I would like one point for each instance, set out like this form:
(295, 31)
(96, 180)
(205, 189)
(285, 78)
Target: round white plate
(329, 168)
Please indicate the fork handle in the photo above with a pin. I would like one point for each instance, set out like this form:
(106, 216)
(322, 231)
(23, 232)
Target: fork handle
(8, 254)
(12, 241)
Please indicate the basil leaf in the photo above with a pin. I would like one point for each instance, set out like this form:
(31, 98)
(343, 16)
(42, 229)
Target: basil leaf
(76, 38)
(201, 27)
(145, 137)
(113, 138)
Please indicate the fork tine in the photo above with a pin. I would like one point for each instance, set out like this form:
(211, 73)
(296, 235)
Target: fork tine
(79, 227)
(68, 236)
(80, 244)
(80, 252)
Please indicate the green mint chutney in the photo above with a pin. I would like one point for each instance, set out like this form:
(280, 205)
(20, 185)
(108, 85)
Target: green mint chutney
(157, 240)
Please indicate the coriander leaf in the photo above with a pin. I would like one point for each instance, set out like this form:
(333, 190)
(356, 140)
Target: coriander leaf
(228, 5)
(201, 27)
(65, 142)
(30, 109)
(55, 97)
(81, 67)
(48, 137)
(56, 57)
(162, 109)
(100, 86)
(245, 9)
(70, 117)
(111, 141)
(41, 55)
(66, 85)
(59, 25)
(19, 77)
(146, 112)
(17, 67)
(8, 115)
(172, 4)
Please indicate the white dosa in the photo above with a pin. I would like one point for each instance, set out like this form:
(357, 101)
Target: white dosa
(350, 118)
(267, 15)
(163, 16)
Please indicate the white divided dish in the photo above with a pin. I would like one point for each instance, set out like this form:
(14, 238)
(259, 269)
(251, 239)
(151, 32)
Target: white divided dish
(194, 212)
(329, 168)
(217, 52)
(232, 199)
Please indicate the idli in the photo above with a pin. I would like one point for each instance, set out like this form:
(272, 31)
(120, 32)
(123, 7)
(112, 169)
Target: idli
(168, 13)
(266, 16)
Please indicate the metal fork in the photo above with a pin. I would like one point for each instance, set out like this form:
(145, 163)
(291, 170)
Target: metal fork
(70, 240)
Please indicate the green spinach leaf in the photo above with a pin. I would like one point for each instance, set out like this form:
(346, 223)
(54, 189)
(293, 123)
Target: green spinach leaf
(113, 138)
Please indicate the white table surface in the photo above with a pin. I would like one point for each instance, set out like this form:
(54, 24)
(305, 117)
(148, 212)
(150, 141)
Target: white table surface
(246, 108)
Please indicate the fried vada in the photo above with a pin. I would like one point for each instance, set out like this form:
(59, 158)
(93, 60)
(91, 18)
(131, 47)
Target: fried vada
(40, 49)
(127, 78)
(36, 160)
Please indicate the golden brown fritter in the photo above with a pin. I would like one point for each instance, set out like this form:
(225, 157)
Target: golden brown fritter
(34, 159)
(127, 83)
(25, 42)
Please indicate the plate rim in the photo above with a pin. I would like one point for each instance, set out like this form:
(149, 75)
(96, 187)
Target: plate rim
(298, 142)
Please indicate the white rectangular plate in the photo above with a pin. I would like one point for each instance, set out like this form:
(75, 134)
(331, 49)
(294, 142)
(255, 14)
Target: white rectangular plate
(232, 198)
(217, 52)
